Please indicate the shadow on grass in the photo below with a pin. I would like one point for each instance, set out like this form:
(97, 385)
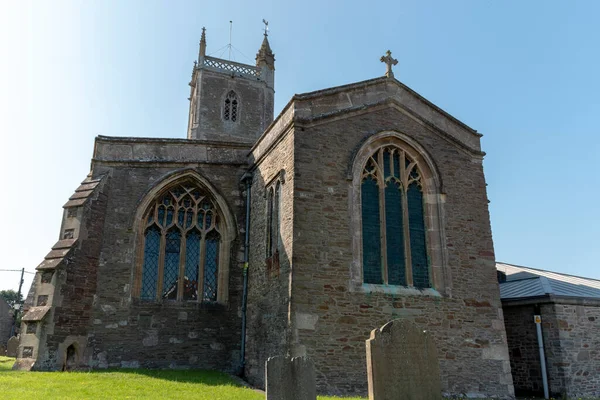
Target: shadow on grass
(200, 376)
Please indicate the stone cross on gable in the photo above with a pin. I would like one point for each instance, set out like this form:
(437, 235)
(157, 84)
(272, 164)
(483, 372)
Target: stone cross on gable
(389, 61)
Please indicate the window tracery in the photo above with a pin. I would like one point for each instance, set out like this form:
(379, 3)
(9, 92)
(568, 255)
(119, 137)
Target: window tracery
(182, 238)
(230, 108)
(394, 248)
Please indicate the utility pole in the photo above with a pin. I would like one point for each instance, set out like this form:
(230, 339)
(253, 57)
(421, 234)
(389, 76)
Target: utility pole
(20, 285)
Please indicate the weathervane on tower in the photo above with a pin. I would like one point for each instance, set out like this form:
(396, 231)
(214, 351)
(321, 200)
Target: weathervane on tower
(389, 62)
(266, 27)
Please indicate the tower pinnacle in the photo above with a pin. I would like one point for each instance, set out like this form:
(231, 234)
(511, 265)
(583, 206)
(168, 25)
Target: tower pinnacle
(202, 44)
(265, 56)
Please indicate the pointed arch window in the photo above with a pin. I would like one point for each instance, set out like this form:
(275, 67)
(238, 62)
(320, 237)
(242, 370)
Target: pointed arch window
(230, 108)
(273, 219)
(394, 248)
(182, 235)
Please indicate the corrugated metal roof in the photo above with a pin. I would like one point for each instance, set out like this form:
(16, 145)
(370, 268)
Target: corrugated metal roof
(524, 282)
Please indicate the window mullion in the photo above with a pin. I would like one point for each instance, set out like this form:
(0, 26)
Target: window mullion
(382, 229)
(161, 264)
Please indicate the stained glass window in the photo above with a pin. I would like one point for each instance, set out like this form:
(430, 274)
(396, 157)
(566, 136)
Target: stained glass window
(181, 244)
(394, 247)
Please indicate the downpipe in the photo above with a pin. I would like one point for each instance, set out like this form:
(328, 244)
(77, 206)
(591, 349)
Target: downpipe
(248, 179)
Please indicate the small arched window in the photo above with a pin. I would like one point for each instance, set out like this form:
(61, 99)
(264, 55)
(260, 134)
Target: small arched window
(230, 108)
(394, 248)
(182, 235)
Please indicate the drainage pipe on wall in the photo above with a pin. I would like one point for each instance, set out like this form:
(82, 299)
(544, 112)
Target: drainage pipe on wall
(540, 339)
(248, 179)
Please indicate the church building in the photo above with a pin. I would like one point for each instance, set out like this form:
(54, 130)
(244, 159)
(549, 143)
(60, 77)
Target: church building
(259, 236)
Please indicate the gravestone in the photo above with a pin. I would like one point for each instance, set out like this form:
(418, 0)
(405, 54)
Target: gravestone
(290, 379)
(402, 363)
(12, 346)
(2, 350)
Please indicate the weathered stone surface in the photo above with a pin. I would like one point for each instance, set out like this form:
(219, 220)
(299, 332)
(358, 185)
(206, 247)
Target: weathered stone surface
(402, 363)
(325, 260)
(12, 346)
(571, 334)
(290, 379)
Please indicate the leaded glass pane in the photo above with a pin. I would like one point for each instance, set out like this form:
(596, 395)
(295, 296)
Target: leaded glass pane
(150, 267)
(189, 218)
(171, 271)
(386, 164)
(418, 246)
(397, 164)
(394, 233)
(192, 263)
(201, 219)
(170, 213)
(371, 232)
(161, 215)
(226, 110)
(211, 266)
(392, 167)
(184, 209)
(208, 219)
(181, 217)
(234, 105)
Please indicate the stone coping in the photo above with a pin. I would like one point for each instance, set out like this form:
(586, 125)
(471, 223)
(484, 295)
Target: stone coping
(308, 108)
(36, 313)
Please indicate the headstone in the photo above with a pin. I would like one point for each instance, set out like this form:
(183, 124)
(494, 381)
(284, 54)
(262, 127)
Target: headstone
(290, 379)
(12, 346)
(2, 350)
(402, 363)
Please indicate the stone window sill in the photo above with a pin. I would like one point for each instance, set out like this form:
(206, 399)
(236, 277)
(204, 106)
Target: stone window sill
(175, 304)
(395, 290)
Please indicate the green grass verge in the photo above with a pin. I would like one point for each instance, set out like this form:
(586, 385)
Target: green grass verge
(124, 384)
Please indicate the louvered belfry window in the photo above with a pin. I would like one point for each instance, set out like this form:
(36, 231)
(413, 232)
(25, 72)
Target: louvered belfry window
(394, 248)
(181, 246)
(230, 108)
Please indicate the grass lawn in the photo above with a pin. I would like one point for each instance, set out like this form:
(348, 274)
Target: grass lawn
(123, 384)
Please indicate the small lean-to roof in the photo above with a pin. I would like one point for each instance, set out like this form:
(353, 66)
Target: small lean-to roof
(524, 283)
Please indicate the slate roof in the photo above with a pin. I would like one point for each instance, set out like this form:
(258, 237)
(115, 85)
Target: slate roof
(524, 283)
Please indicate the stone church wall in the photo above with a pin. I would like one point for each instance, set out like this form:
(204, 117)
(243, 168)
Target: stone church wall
(571, 339)
(70, 290)
(129, 333)
(332, 322)
(94, 306)
(523, 350)
(269, 287)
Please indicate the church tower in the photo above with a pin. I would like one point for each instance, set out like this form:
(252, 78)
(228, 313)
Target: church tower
(230, 101)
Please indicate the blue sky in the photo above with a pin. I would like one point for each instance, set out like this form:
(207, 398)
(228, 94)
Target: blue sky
(525, 74)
